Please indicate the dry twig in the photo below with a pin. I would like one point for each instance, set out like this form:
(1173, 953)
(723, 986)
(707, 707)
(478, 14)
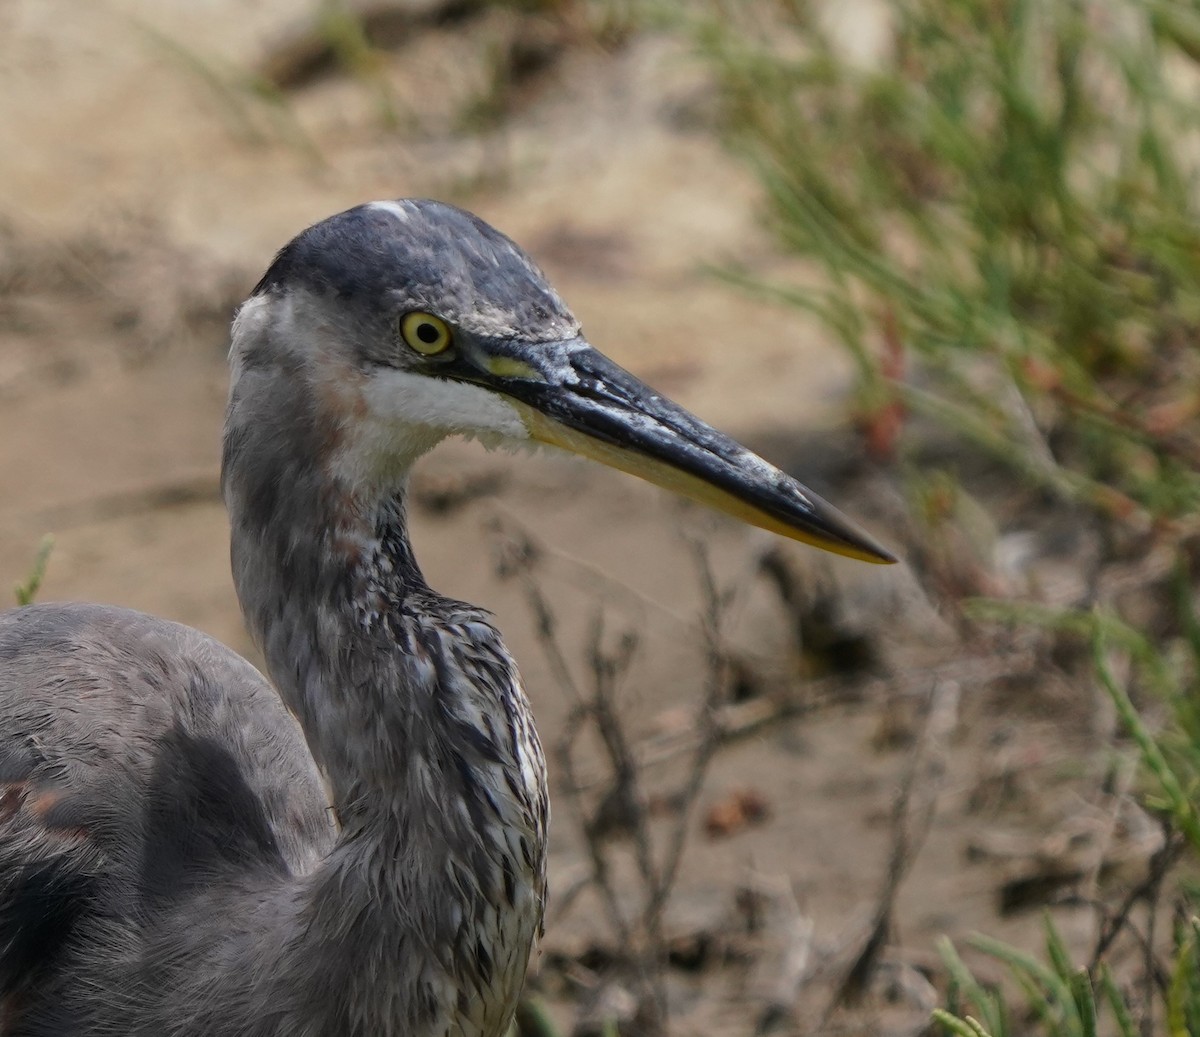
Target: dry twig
(595, 710)
(912, 815)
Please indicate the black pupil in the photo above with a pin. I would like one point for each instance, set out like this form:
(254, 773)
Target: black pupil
(428, 333)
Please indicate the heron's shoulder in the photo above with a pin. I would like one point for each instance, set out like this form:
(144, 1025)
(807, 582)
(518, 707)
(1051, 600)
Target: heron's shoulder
(124, 701)
(76, 634)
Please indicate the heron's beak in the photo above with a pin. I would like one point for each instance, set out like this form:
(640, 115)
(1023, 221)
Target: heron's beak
(572, 396)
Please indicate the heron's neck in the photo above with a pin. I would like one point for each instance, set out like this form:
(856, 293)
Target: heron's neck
(413, 711)
(325, 578)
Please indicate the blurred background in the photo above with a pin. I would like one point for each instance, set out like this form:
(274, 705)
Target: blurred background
(937, 258)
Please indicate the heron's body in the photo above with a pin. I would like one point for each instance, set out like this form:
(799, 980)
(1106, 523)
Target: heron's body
(152, 781)
(356, 849)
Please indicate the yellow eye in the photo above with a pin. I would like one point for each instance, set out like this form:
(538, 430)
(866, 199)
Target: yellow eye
(427, 334)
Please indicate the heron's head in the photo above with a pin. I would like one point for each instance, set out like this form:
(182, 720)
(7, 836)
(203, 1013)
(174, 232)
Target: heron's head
(396, 324)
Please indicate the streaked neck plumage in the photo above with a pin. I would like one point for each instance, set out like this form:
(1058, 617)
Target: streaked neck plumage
(410, 704)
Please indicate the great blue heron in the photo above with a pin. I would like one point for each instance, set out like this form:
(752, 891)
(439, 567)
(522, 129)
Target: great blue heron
(358, 848)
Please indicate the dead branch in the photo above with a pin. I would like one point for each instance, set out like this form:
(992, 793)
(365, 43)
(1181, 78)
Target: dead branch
(596, 710)
(912, 816)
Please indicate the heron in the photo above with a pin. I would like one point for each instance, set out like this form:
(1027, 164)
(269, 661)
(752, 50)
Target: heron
(356, 847)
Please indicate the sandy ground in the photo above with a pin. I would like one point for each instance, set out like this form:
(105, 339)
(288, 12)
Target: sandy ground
(142, 190)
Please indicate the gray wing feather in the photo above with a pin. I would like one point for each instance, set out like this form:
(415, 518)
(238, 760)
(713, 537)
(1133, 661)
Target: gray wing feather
(129, 747)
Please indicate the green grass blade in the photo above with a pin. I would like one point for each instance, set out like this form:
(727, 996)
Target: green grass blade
(27, 589)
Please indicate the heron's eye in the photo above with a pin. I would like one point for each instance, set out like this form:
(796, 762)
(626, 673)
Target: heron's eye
(427, 334)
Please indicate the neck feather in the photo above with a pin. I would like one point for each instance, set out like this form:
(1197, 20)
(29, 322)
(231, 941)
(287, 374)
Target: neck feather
(413, 711)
